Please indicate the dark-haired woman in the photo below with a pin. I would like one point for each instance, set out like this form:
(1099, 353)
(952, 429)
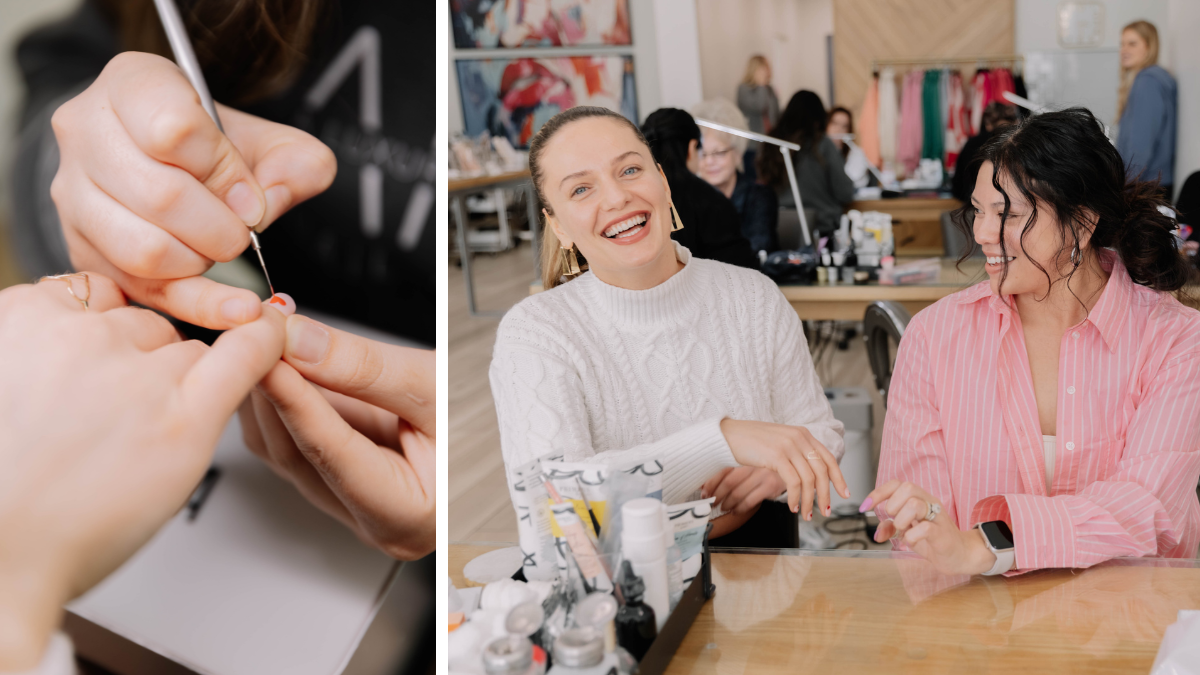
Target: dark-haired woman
(714, 228)
(820, 169)
(655, 353)
(1053, 405)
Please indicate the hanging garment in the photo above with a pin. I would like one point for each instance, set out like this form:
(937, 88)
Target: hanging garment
(868, 123)
(909, 143)
(958, 119)
(889, 118)
(979, 98)
(932, 134)
(1001, 82)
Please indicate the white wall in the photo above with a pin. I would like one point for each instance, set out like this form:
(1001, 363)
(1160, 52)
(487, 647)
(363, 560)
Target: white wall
(790, 33)
(664, 50)
(1037, 22)
(1184, 55)
(17, 17)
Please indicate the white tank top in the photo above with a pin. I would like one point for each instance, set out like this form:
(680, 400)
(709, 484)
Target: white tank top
(1048, 445)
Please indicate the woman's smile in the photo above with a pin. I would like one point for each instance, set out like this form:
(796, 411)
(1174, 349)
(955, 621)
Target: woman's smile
(629, 229)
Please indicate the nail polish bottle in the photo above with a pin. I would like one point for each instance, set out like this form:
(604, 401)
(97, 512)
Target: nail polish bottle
(636, 625)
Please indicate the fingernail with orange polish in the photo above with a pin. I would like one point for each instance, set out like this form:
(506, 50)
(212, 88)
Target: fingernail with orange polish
(283, 302)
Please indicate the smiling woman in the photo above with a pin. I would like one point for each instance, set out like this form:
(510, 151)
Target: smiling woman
(656, 354)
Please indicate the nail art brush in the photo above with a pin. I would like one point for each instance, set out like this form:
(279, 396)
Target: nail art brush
(185, 57)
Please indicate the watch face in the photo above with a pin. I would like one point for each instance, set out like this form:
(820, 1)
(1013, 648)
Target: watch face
(998, 534)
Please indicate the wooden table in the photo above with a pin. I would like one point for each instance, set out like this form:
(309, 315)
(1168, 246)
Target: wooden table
(848, 302)
(881, 612)
(916, 221)
(457, 189)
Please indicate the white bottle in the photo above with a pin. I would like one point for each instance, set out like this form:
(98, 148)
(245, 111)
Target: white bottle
(674, 561)
(642, 545)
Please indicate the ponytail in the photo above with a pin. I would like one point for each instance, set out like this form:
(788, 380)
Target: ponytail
(1146, 242)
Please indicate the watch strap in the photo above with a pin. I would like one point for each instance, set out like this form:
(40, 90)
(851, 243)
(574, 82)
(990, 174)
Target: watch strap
(1006, 559)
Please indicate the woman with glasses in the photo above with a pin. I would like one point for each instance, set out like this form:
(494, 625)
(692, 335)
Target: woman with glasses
(721, 164)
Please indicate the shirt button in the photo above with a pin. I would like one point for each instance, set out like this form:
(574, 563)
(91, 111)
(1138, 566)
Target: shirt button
(1070, 390)
(1075, 335)
(1070, 445)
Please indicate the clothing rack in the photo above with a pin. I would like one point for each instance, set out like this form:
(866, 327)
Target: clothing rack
(979, 61)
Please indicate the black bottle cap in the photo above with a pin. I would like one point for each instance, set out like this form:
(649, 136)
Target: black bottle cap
(632, 586)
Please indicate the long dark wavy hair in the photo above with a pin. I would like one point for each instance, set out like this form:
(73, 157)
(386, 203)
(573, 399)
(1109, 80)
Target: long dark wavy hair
(1063, 161)
(669, 132)
(803, 122)
(249, 50)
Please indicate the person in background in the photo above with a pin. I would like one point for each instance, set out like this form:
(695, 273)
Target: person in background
(757, 101)
(654, 353)
(711, 225)
(1146, 109)
(722, 158)
(1057, 400)
(996, 116)
(841, 123)
(820, 172)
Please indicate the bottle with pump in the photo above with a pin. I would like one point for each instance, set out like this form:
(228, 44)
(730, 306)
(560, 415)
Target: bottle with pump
(636, 624)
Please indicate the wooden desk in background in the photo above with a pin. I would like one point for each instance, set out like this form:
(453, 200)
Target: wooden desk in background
(881, 612)
(848, 302)
(916, 222)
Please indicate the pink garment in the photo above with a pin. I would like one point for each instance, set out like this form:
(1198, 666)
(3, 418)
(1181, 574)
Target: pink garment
(962, 423)
(908, 147)
(979, 100)
(868, 124)
(957, 119)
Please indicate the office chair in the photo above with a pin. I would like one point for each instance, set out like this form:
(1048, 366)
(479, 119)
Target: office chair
(883, 324)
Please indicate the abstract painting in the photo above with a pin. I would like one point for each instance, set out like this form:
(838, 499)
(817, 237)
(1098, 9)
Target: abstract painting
(499, 24)
(515, 97)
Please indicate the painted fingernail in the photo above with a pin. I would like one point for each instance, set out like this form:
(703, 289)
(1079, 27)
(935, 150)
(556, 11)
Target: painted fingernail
(237, 311)
(795, 509)
(828, 510)
(283, 302)
(866, 505)
(308, 340)
(242, 199)
(808, 516)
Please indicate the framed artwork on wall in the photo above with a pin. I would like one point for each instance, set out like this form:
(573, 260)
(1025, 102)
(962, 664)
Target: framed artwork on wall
(501, 24)
(515, 97)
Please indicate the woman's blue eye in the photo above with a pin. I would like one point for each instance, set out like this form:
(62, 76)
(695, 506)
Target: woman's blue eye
(577, 191)
(630, 171)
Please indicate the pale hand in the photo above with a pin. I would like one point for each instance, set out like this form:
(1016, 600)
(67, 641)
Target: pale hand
(151, 193)
(109, 422)
(786, 450)
(951, 550)
(361, 445)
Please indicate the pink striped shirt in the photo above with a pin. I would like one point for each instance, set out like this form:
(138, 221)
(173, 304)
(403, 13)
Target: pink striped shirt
(962, 423)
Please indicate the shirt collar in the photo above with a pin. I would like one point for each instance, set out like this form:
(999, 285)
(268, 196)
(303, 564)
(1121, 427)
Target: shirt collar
(1109, 314)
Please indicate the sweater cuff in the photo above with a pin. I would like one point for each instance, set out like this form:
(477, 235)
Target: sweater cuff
(693, 455)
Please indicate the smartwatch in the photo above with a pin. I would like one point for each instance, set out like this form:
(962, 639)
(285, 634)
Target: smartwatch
(999, 539)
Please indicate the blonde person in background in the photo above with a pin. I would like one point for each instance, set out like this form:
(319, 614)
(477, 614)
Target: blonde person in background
(722, 165)
(656, 354)
(1146, 108)
(757, 101)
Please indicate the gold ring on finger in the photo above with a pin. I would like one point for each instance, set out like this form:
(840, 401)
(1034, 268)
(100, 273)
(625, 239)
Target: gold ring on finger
(934, 510)
(87, 284)
(811, 456)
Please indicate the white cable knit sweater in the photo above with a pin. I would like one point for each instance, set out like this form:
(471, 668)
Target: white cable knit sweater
(600, 373)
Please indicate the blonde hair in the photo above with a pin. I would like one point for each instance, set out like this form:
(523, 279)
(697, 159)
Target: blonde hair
(1149, 34)
(757, 61)
(723, 111)
(553, 271)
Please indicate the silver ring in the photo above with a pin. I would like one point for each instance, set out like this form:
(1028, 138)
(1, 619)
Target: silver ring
(811, 456)
(934, 510)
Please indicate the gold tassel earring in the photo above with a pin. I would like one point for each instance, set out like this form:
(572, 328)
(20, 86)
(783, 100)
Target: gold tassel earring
(569, 261)
(676, 223)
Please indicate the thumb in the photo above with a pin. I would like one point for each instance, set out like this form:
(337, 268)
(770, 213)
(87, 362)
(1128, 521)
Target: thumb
(400, 380)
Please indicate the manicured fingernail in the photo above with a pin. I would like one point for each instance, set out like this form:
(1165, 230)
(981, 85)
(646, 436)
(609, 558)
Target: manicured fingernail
(808, 516)
(866, 505)
(245, 203)
(308, 340)
(283, 302)
(795, 509)
(704, 494)
(827, 510)
(237, 311)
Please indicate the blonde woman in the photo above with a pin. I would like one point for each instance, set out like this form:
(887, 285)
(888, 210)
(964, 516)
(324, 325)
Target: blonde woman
(653, 353)
(722, 164)
(1146, 109)
(756, 97)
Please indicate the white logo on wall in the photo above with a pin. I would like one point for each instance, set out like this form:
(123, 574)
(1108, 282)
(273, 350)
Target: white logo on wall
(362, 52)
